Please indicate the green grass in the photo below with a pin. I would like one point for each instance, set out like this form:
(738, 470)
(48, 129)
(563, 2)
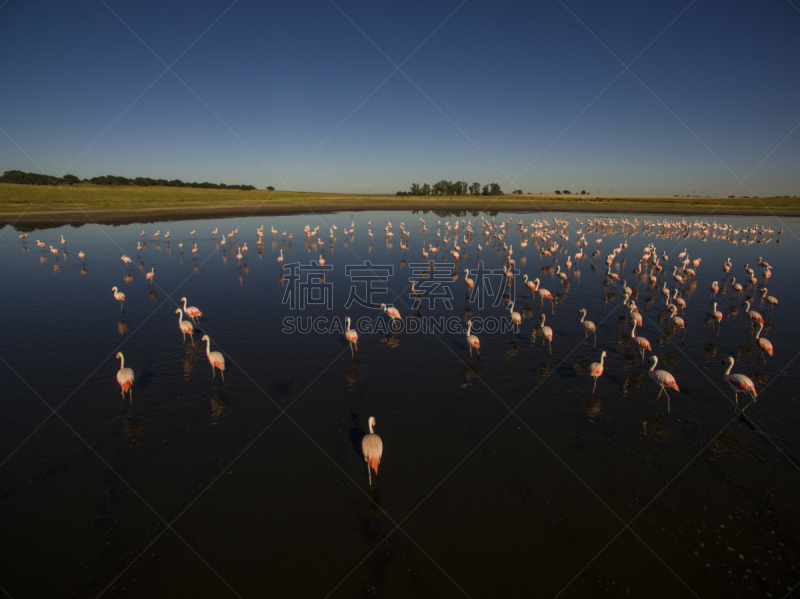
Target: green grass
(40, 199)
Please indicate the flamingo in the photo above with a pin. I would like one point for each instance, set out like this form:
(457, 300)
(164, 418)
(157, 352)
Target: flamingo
(588, 326)
(321, 260)
(640, 342)
(530, 284)
(547, 332)
(679, 301)
(472, 340)
(125, 377)
(764, 344)
(675, 319)
(149, 276)
(737, 287)
(739, 382)
(185, 326)
(561, 275)
(81, 255)
(717, 315)
(280, 258)
(119, 296)
(351, 335)
(675, 276)
(191, 311)
(544, 294)
(215, 358)
(752, 315)
(372, 448)
(596, 369)
(770, 299)
(663, 379)
(391, 311)
(516, 317)
(714, 289)
(470, 283)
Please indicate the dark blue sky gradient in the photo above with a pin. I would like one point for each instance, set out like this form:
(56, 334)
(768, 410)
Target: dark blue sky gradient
(294, 91)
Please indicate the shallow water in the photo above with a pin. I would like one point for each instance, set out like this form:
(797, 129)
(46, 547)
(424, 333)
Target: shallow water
(504, 473)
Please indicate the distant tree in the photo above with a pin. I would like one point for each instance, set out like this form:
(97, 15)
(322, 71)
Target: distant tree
(567, 192)
(485, 190)
(70, 179)
(270, 188)
(415, 189)
(495, 189)
(558, 193)
(425, 190)
(464, 187)
(583, 192)
(475, 189)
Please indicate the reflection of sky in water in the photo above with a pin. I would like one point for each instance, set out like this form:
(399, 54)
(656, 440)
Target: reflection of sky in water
(434, 404)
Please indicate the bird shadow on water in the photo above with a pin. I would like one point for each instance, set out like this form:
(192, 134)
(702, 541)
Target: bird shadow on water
(144, 378)
(356, 435)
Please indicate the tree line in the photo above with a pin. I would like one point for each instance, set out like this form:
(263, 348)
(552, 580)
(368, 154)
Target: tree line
(23, 178)
(450, 188)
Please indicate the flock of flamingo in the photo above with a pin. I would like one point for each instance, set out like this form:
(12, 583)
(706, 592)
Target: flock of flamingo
(651, 270)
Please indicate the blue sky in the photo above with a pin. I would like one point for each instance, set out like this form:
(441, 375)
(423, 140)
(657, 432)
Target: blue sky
(531, 95)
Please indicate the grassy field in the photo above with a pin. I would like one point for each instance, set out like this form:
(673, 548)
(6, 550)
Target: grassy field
(86, 202)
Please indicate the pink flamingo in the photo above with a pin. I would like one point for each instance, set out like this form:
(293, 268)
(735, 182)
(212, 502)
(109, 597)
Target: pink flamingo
(372, 448)
(596, 369)
(215, 359)
(675, 319)
(191, 311)
(662, 378)
(516, 317)
(547, 332)
(764, 344)
(640, 342)
(737, 287)
(351, 335)
(752, 315)
(714, 289)
(739, 383)
(472, 340)
(280, 258)
(119, 296)
(588, 326)
(149, 276)
(544, 294)
(470, 283)
(185, 326)
(717, 316)
(392, 312)
(125, 377)
(530, 284)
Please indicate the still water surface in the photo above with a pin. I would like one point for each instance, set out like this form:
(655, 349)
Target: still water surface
(504, 474)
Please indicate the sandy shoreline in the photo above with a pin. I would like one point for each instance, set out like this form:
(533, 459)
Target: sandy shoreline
(147, 215)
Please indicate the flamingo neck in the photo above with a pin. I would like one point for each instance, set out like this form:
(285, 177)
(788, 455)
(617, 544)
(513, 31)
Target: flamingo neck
(469, 328)
(370, 427)
(730, 367)
(655, 361)
(121, 362)
(633, 330)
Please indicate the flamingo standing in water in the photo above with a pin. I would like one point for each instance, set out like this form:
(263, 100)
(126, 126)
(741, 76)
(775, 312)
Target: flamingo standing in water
(588, 326)
(516, 317)
(372, 448)
(351, 335)
(752, 315)
(739, 382)
(215, 358)
(119, 296)
(737, 287)
(596, 369)
(640, 342)
(717, 316)
(392, 312)
(547, 332)
(544, 294)
(470, 283)
(662, 378)
(149, 276)
(764, 344)
(125, 377)
(280, 258)
(472, 340)
(185, 326)
(191, 311)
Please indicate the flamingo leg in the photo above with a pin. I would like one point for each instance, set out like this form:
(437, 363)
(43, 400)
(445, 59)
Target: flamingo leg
(222, 374)
(369, 474)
